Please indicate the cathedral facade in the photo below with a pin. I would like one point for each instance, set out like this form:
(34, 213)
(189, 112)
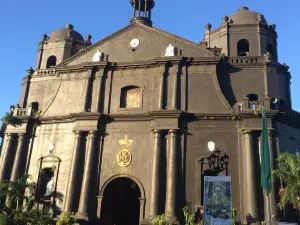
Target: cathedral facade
(121, 128)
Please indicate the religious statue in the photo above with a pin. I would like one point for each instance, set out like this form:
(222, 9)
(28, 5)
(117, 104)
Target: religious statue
(98, 56)
(50, 187)
(170, 50)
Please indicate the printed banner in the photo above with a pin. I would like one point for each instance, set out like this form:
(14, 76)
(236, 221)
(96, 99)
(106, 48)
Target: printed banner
(217, 200)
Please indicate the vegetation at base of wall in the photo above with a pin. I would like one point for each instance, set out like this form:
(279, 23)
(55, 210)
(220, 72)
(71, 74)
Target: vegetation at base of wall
(234, 216)
(161, 220)
(189, 219)
(288, 171)
(18, 205)
(65, 219)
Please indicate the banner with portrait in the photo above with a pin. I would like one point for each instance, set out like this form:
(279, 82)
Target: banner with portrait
(217, 200)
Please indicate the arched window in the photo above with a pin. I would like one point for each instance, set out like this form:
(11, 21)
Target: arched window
(51, 61)
(46, 176)
(243, 47)
(130, 97)
(252, 97)
(270, 49)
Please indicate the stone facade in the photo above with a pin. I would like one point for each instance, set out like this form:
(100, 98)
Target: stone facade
(205, 92)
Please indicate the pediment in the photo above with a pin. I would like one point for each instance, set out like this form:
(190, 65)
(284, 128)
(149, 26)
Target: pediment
(152, 43)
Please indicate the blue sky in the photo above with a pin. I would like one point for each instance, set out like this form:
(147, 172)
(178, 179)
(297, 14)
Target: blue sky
(23, 22)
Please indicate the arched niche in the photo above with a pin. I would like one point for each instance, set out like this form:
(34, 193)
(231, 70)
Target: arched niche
(243, 47)
(51, 61)
(130, 97)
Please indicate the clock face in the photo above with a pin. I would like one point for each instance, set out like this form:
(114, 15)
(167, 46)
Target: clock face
(134, 43)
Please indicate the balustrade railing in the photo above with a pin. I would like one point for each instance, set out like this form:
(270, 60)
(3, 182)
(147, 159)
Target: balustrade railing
(245, 60)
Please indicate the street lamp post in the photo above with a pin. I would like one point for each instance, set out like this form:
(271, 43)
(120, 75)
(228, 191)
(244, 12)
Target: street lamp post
(216, 162)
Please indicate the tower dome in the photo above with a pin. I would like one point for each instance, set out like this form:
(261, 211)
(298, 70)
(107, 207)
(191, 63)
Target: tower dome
(142, 11)
(67, 32)
(246, 16)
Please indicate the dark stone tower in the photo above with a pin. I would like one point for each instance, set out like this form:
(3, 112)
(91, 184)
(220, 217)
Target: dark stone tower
(142, 11)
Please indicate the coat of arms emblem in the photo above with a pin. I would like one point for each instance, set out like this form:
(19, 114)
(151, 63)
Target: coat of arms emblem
(124, 158)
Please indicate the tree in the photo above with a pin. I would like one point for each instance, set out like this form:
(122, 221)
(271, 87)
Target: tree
(288, 171)
(19, 205)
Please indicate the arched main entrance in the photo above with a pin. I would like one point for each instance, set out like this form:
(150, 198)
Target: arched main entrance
(121, 203)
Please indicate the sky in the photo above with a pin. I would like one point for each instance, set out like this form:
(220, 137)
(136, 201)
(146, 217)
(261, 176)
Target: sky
(22, 24)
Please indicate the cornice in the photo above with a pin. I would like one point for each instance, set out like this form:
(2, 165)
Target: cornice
(293, 120)
(166, 114)
(186, 61)
(130, 117)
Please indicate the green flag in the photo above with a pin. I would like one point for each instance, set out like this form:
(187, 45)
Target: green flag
(265, 173)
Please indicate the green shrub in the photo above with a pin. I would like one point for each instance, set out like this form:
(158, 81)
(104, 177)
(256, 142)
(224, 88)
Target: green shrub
(65, 219)
(3, 219)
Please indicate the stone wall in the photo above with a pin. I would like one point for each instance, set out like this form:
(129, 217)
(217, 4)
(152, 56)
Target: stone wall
(61, 135)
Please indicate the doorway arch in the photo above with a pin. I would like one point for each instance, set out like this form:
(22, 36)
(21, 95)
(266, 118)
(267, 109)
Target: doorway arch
(122, 201)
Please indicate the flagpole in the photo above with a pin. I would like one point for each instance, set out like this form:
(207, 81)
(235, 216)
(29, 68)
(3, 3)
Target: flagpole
(266, 190)
(269, 210)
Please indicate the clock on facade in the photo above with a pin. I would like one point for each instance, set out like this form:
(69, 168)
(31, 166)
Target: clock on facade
(134, 43)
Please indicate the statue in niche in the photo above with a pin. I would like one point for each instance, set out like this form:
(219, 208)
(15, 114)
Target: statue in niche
(50, 187)
(98, 56)
(170, 50)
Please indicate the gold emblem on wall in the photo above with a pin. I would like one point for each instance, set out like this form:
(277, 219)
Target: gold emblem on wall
(124, 157)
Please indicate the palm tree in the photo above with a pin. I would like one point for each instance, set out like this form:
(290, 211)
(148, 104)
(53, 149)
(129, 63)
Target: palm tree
(15, 192)
(288, 171)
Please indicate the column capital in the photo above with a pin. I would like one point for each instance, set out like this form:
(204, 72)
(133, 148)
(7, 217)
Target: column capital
(244, 132)
(92, 132)
(21, 134)
(157, 132)
(77, 132)
(173, 131)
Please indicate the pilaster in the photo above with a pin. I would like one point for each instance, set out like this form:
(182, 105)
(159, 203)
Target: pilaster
(86, 190)
(19, 164)
(7, 157)
(172, 176)
(249, 202)
(74, 174)
(155, 185)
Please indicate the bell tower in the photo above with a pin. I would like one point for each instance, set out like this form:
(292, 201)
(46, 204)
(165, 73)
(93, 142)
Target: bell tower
(142, 11)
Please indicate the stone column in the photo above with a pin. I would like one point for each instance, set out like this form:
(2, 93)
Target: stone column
(99, 206)
(155, 185)
(7, 155)
(19, 158)
(273, 203)
(100, 102)
(172, 162)
(89, 90)
(74, 174)
(161, 104)
(175, 91)
(142, 208)
(249, 178)
(89, 167)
